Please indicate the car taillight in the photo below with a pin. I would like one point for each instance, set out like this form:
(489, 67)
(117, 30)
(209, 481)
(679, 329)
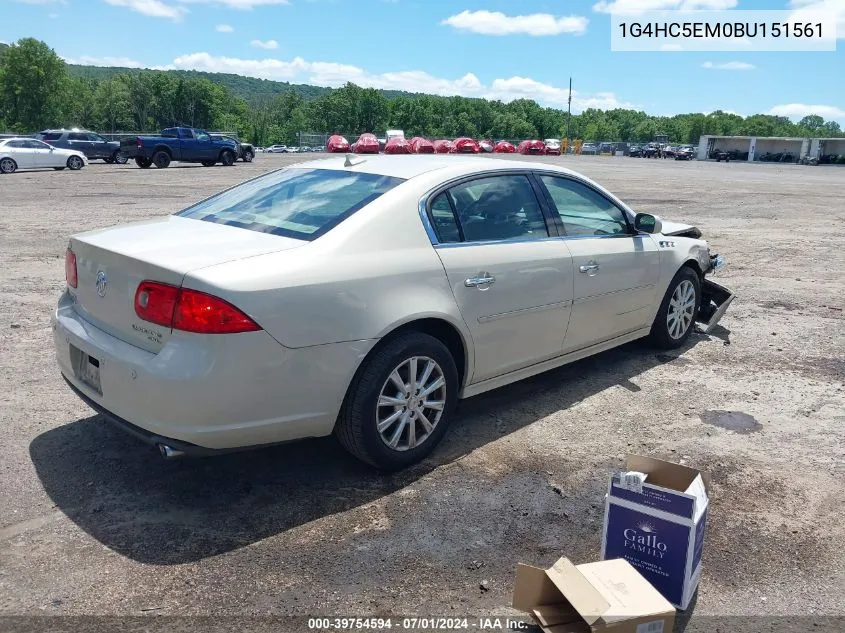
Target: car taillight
(139, 142)
(155, 302)
(70, 269)
(189, 310)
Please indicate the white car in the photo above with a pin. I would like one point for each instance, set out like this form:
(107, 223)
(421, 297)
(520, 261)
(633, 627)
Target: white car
(363, 297)
(30, 153)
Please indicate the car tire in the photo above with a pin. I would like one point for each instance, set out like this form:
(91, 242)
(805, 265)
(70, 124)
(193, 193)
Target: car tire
(675, 320)
(75, 163)
(143, 163)
(8, 166)
(248, 156)
(161, 159)
(361, 414)
(119, 158)
(227, 158)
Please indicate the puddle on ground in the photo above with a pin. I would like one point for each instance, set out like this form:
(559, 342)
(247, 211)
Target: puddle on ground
(736, 421)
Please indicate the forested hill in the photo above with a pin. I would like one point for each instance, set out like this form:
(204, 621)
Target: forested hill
(250, 89)
(38, 89)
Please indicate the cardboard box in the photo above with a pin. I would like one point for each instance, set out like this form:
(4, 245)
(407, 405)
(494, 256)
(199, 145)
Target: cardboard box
(658, 524)
(602, 596)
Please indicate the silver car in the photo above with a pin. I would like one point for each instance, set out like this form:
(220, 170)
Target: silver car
(363, 297)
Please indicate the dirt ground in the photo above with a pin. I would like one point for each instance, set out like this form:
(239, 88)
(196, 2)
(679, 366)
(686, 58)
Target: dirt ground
(92, 522)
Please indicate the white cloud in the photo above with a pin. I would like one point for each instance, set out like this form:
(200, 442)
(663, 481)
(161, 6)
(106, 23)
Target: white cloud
(803, 9)
(239, 4)
(333, 75)
(223, 28)
(151, 8)
(536, 24)
(640, 6)
(119, 62)
(268, 45)
(800, 110)
(729, 66)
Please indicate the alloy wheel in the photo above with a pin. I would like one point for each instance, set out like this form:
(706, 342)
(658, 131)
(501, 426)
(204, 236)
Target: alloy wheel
(681, 312)
(411, 403)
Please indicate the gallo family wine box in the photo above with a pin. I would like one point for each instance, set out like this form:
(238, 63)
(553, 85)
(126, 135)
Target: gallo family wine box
(655, 516)
(607, 595)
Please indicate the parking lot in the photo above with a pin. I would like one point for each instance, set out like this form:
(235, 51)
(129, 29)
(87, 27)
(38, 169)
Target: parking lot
(92, 522)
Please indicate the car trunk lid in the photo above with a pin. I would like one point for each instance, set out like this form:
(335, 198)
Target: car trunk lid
(112, 262)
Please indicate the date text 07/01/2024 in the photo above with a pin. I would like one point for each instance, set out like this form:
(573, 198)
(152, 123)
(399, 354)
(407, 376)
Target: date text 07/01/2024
(417, 624)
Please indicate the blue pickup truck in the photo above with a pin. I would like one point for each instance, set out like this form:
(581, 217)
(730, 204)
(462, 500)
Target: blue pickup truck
(184, 144)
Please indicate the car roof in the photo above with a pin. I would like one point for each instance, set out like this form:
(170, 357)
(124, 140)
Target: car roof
(408, 167)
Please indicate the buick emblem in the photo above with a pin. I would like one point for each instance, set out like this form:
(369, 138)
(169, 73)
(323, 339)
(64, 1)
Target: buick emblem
(102, 281)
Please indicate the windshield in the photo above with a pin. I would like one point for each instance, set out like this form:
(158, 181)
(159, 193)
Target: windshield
(299, 203)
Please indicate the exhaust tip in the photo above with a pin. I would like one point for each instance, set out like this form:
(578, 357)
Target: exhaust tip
(168, 452)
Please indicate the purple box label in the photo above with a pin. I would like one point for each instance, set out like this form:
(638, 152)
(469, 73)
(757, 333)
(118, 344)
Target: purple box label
(655, 547)
(676, 504)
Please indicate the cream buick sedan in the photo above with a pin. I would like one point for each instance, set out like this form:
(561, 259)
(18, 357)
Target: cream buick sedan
(363, 296)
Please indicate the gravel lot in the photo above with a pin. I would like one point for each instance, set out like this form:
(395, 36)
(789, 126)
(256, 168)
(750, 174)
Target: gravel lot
(92, 522)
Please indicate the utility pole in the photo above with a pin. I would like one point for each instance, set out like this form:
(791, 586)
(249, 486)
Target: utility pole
(569, 114)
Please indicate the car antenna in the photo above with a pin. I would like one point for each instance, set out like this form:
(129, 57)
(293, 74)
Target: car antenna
(351, 162)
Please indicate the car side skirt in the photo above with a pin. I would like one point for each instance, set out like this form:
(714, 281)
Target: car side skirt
(552, 363)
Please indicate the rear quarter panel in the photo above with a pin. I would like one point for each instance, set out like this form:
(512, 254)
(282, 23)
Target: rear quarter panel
(374, 272)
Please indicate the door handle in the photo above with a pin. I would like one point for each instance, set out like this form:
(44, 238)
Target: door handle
(589, 268)
(483, 279)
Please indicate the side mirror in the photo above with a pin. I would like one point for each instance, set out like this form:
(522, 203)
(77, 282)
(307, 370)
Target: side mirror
(52, 148)
(647, 223)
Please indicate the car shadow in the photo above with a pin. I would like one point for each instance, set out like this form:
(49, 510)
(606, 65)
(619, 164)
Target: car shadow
(155, 511)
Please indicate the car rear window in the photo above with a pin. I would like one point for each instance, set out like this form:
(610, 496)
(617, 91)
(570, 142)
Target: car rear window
(299, 203)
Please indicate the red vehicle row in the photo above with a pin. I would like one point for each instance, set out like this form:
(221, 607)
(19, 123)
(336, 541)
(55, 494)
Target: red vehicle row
(369, 144)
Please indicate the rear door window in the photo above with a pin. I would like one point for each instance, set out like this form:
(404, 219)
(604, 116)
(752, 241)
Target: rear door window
(498, 208)
(443, 220)
(77, 136)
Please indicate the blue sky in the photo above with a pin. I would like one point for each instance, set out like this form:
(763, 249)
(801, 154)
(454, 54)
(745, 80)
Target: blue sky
(502, 49)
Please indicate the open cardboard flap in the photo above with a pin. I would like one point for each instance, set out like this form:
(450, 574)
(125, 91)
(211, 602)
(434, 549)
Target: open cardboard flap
(566, 598)
(676, 477)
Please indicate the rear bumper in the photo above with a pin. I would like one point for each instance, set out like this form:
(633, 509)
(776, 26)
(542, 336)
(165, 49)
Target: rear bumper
(211, 391)
(186, 448)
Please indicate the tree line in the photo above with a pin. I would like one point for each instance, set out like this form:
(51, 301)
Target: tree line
(37, 90)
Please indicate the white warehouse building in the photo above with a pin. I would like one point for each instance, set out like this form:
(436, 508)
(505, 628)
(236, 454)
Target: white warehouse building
(755, 146)
(824, 146)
